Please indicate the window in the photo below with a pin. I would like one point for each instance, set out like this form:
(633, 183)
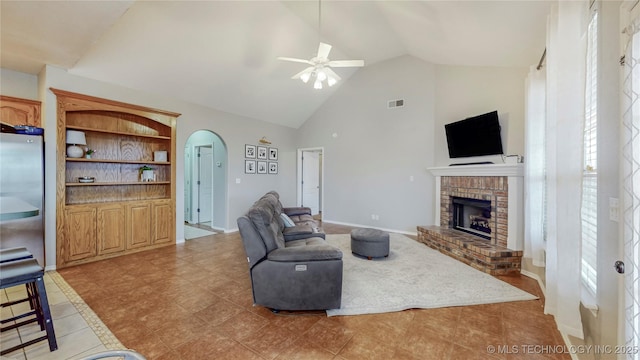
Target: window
(589, 208)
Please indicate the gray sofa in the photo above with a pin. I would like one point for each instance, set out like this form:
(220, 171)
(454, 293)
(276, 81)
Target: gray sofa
(299, 271)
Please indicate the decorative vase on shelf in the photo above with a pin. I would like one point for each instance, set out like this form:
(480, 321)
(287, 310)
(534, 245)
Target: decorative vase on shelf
(88, 156)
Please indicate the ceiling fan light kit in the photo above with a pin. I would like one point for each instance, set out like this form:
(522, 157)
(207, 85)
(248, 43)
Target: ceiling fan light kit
(320, 68)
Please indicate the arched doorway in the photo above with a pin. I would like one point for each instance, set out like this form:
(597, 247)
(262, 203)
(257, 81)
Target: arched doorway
(205, 184)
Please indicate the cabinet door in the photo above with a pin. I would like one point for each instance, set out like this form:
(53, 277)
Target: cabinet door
(138, 225)
(80, 233)
(163, 223)
(15, 111)
(110, 229)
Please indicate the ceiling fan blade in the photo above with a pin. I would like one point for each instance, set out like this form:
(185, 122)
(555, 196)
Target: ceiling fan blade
(295, 60)
(332, 73)
(305, 71)
(323, 50)
(346, 63)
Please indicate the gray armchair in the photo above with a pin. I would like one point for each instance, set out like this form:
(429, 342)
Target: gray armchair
(301, 273)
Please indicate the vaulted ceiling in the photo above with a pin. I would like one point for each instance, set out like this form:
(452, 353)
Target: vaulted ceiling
(222, 54)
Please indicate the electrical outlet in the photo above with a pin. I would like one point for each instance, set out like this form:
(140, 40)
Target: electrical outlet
(373, 217)
(614, 209)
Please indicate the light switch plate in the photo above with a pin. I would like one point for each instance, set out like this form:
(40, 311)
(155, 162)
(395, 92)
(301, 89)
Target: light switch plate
(614, 209)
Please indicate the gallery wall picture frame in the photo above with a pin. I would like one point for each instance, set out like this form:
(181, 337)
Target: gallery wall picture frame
(262, 167)
(273, 154)
(262, 152)
(250, 151)
(249, 166)
(273, 167)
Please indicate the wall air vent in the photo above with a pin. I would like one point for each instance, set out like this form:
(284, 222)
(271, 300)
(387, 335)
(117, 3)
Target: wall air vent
(395, 103)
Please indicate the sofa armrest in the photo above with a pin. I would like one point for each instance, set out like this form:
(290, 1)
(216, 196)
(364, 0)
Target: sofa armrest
(292, 211)
(306, 253)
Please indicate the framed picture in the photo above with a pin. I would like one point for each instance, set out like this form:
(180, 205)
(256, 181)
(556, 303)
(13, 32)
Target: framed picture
(262, 167)
(262, 152)
(250, 151)
(249, 166)
(273, 167)
(273, 154)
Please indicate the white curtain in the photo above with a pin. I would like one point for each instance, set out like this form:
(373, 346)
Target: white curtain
(631, 187)
(534, 170)
(564, 144)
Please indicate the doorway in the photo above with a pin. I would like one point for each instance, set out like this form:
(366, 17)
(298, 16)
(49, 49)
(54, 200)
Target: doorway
(310, 180)
(205, 184)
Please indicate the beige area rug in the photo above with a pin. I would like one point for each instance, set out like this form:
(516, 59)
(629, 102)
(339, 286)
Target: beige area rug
(414, 276)
(191, 232)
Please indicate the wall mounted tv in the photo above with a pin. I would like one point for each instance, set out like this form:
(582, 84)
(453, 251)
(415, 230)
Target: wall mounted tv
(474, 136)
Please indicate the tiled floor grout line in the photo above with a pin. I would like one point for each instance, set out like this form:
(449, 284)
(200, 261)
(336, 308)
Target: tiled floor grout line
(95, 324)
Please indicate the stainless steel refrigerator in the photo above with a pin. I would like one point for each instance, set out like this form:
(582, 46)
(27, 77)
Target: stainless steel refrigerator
(22, 193)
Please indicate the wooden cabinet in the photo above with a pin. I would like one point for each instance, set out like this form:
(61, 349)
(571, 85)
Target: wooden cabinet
(161, 220)
(16, 111)
(129, 214)
(138, 225)
(80, 233)
(110, 223)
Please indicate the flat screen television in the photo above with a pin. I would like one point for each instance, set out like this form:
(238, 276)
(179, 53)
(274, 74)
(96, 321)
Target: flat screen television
(474, 136)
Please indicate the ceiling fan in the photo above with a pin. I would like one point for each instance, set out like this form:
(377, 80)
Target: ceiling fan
(321, 66)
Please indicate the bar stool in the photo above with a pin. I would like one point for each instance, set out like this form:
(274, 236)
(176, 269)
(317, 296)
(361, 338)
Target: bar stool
(28, 272)
(13, 254)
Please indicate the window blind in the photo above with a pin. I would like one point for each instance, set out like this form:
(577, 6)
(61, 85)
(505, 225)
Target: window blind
(589, 208)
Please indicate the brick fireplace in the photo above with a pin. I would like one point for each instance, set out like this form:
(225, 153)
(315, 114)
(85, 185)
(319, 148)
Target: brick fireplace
(493, 189)
(500, 187)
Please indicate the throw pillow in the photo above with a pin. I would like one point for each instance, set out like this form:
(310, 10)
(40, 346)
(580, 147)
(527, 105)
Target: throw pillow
(287, 220)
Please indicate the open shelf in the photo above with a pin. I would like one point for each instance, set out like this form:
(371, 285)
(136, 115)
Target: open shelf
(120, 183)
(83, 128)
(149, 162)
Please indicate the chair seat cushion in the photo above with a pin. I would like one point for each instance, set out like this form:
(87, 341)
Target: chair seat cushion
(311, 249)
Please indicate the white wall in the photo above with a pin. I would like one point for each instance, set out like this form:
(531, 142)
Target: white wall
(377, 150)
(17, 84)
(464, 91)
(236, 131)
(368, 166)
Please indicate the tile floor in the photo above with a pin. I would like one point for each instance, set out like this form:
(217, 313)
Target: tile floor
(193, 301)
(76, 336)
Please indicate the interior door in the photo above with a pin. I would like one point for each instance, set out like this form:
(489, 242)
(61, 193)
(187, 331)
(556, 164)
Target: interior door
(205, 184)
(311, 180)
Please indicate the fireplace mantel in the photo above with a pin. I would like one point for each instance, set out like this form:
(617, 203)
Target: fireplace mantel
(516, 170)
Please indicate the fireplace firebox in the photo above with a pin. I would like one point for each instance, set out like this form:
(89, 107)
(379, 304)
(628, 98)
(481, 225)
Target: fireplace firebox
(472, 216)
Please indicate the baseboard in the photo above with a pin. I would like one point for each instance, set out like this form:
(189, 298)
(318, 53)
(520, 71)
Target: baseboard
(537, 278)
(371, 227)
(50, 268)
(180, 241)
(567, 343)
(227, 231)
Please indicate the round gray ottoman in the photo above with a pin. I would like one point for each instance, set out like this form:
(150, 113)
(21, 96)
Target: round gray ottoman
(369, 243)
